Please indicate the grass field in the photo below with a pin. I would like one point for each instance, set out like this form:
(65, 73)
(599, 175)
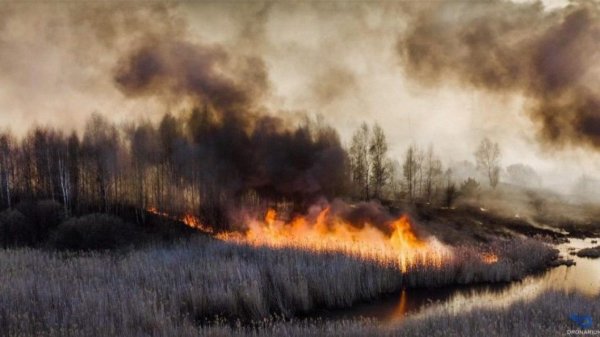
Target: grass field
(174, 290)
(546, 316)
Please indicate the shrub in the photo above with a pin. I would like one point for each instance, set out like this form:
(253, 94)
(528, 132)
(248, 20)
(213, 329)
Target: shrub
(15, 229)
(92, 232)
(469, 188)
(49, 214)
(45, 215)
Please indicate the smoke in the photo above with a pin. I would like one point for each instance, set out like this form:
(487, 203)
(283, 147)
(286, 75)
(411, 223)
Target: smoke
(550, 57)
(333, 83)
(56, 59)
(177, 68)
(361, 213)
(240, 145)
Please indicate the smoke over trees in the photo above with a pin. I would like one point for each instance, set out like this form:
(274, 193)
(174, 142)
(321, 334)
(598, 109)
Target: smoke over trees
(379, 162)
(371, 169)
(188, 164)
(410, 168)
(548, 56)
(487, 157)
(422, 174)
(359, 159)
(523, 175)
(433, 174)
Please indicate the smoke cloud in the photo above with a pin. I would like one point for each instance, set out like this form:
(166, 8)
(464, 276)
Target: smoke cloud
(550, 57)
(179, 68)
(241, 145)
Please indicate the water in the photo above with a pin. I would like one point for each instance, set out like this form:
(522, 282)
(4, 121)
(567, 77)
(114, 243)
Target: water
(584, 278)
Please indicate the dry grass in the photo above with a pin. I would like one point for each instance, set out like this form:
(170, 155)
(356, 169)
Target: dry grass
(546, 316)
(173, 290)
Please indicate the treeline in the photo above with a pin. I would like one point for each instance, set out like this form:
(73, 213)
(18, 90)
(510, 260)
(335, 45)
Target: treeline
(211, 166)
(198, 164)
(375, 175)
(421, 176)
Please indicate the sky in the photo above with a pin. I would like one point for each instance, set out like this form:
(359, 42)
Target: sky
(343, 60)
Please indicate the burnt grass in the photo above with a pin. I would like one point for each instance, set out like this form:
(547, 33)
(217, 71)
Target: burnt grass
(468, 224)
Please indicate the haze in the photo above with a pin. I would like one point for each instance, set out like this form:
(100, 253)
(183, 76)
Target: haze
(342, 61)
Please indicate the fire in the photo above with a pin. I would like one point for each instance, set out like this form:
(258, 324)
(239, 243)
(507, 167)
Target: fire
(194, 222)
(327, 232)
(489, 258)
(188, 219)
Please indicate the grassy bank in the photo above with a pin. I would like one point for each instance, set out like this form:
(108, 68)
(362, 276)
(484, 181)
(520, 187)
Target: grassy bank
(546, 316)
(172, 290)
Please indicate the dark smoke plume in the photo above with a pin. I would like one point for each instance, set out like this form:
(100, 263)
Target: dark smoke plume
(237, 144)
(551, 57)
(180, 69)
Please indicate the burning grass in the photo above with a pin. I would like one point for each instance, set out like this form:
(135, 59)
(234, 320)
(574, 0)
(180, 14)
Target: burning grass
(395, 244)
(174, 290)
(188, 219)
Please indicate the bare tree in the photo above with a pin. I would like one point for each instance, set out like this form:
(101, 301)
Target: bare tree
(144, 149)
(488, 160)
(433, 171)
(377, 157)
(63, 176)
(394, 178)
(450, 191)
(6, 166)
(101, 147)
(410, 168)
(419, 173)
(74, 165)
(359, 160)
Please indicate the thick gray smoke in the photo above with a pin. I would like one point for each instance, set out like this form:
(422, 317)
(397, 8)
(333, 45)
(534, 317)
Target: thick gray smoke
(550, 57)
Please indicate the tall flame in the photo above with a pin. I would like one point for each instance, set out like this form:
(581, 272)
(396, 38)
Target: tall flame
(327, 232)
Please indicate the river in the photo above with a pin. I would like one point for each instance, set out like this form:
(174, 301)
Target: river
(584, 277)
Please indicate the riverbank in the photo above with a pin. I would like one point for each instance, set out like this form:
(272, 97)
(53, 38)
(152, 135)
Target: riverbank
(547, 315)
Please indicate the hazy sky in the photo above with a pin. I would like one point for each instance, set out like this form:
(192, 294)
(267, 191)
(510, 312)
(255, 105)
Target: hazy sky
(337, 59)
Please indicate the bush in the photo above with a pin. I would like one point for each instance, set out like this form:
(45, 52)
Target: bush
(92, 232)
(45, 215)
(469, 188)
(15, 229)
(49, 214)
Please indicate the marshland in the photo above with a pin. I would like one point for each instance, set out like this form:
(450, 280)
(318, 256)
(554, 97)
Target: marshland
(336, 168)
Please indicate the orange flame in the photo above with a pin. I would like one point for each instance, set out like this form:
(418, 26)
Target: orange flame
(327, 232)
(489, 258)
(188, 219)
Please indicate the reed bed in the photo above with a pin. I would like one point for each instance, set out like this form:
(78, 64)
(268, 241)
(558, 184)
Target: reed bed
(176, 290)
